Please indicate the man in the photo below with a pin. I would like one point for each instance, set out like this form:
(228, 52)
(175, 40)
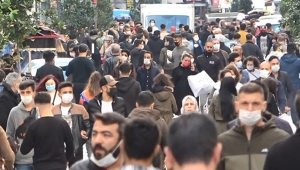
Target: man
(18, 119)
(223, 55)
(235, 41)
(152, 24)
(282, 155)
(178, 50)
(163, 31)
(243, 32)
(49, 68)
(238, 49)
(265, 72)
(2, 77)
(127, 87)
(222, 39)
(193, 143)
(81, 69)
(52, 146)
(141, 144)
(106, 101)
(107, 134)
(111, 62)
(216, 32)
(209, 62)
(76, 116)
(145, 109)
(270, 29)
(96, 44)
(251, 49)
(186, 42)
(264, 41)
(9, 96)
(136, 52)
(236, 59)
(156, 44)
(147, 72)
(249, 133)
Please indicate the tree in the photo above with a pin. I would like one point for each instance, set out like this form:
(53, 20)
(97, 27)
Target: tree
(77, 14)
(246, 5)
(290, 11)
(135, 13)
(235, 6)
(104, 14)
(52, 19)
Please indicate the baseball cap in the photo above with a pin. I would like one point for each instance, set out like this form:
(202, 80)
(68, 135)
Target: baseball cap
(263, 28)
(107, 80)
(173, 28)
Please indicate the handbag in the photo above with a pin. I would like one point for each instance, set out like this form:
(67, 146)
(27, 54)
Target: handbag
(287, 117)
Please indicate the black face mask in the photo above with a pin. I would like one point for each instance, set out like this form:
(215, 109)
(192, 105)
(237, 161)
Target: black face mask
(177, 43)
(208, 53)
(263, 33)
(112, 92)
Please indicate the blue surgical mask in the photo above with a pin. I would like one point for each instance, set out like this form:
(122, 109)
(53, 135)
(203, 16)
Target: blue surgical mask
(239, 64)
(216, 47)
(50, 87)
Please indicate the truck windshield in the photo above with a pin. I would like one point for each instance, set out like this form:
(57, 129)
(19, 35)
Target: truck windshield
(168, 20)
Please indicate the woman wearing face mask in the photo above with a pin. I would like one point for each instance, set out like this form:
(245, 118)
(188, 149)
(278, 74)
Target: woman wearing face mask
(50, 84)
(166, 55)
(222, 106)
(91, 90)
(251, 64)
(197, 45)
(179, 78)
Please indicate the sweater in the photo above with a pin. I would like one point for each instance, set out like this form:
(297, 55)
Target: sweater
(177, 53)
(81, 68)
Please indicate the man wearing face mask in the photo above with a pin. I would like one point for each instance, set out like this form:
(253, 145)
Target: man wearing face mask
(178, 50)
(18, 114)
(266, 71)
(147, 72)
(264, 41)
(243, 143)
(77, 118)
(106, 138)
(152, 24)
(112, 61)
(137, 52)
(223, 55)
(236, 59)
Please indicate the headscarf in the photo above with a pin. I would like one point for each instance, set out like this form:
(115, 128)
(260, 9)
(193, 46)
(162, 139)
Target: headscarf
(194, 101)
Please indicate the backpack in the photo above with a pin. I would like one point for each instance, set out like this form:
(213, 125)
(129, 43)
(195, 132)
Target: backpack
(94, 47)
(22, 129)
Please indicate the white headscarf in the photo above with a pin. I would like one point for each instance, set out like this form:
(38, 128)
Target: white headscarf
(184, 100)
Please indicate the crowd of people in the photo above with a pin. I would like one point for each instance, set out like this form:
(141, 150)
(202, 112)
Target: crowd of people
(132, 106)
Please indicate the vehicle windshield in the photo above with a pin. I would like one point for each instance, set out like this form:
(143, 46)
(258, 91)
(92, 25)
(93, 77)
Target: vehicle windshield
(168, 20)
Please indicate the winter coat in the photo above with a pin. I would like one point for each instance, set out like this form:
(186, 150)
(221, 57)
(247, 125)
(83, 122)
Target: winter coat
(290, 63)
(251, 49)
(143, 79)
(155, 44)
(163, 58)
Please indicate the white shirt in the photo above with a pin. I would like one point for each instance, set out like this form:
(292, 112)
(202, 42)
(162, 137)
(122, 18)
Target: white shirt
(106, 107)
(66, 115)
(264, 45)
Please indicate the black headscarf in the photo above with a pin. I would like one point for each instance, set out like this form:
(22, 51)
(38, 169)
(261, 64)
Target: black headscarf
(225, 95)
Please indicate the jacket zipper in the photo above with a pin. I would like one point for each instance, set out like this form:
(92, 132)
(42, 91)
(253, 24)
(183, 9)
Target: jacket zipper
(249, 154)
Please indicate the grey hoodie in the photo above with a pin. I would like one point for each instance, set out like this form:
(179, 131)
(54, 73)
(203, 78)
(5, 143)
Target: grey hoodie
(16, 116)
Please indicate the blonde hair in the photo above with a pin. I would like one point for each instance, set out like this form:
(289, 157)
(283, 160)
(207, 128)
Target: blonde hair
(93, 86)
(185, 99)
(59, 46)
(185, 54)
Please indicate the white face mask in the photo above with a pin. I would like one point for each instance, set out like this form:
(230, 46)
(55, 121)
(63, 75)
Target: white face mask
(128, 32)
(107, 160)
(121, 27)
(26, 99)
(72, 54)
(216, 47)
(250, 68)
(275, 68)
(249, 118)
(152, 24)
(142, 47)
(67, 98)
(196, 38)
(264, 73)
(147, 61)
(124, 58)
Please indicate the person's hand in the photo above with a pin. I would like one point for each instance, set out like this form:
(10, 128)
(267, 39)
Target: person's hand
(83, 135)
(287, 109)
(192, 67)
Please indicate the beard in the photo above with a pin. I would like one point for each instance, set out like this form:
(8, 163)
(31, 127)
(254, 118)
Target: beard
(99, 156)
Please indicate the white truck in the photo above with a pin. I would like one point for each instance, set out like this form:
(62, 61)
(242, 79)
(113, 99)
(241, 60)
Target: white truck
(168, 14)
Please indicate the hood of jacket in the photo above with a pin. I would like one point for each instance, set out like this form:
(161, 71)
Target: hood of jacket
(125, 83)
(186, 43)
(162, 93)
(289, 58)
(144, 113)
(154, 38)
(170, 47)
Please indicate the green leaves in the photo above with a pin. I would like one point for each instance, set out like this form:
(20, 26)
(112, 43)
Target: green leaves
(237, 5)
(104, 14)
(135, 13)
(290, 11)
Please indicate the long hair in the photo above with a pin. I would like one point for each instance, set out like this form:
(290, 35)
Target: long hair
(235, 71)
(59, 46)
(42, 84)
(272, 85)
(226, 99)
(93, 86)
(162, 80)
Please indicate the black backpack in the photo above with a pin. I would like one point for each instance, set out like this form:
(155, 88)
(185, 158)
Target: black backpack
(22, 129)
(96, 48)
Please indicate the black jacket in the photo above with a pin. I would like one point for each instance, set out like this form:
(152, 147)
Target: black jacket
(211, 65)
(47, 69)
(155, 44)
(8, 100)
(94, 106)
(135, 54)
(109, 65)
(251, 49)
(128, 89)
(284, 154)
(225, 48)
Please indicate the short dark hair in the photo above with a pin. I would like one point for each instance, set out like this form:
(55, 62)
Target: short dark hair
(145, 99)
(94, 32)
(42, 98)
(149, 52)
(149, 29)
(48, 56)
(272, 58)
(243, 26)
(186, 28)
(27, 83)
(125, 51)
(264, 87)
(291, 47)
(275, 46)
(192, 137)
(125, 68)
(223, 72)
(112, 118)
(162, 26)
(72, 45)
(137, 42)
(169, 39)
(139, 35)
(83, 48)
(269, 25)
(232, 57)
(250, 88)
(180, 25)
(141, 136)
(2, 75)
(178, 35)
(249, 37)
(236, 36)
(64, 84)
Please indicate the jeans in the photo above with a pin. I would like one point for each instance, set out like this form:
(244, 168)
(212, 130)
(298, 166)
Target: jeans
(23, 166)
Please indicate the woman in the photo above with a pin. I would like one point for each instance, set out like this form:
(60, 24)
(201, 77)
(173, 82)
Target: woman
(61, 53)
(189, 104)
(91, 90)
(166, 54)
(179, 77)
(272, 106)
(50, 84)
(7, 156)
(164, 100)
(251, 64)
(222, 105)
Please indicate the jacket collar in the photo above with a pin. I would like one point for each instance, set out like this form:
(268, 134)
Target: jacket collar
(8, 88)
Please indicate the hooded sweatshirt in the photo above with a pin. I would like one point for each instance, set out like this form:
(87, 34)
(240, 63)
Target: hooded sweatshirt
(290, 63)
(17, 115)
(128, 88)
(163, 58)
(155, 44)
